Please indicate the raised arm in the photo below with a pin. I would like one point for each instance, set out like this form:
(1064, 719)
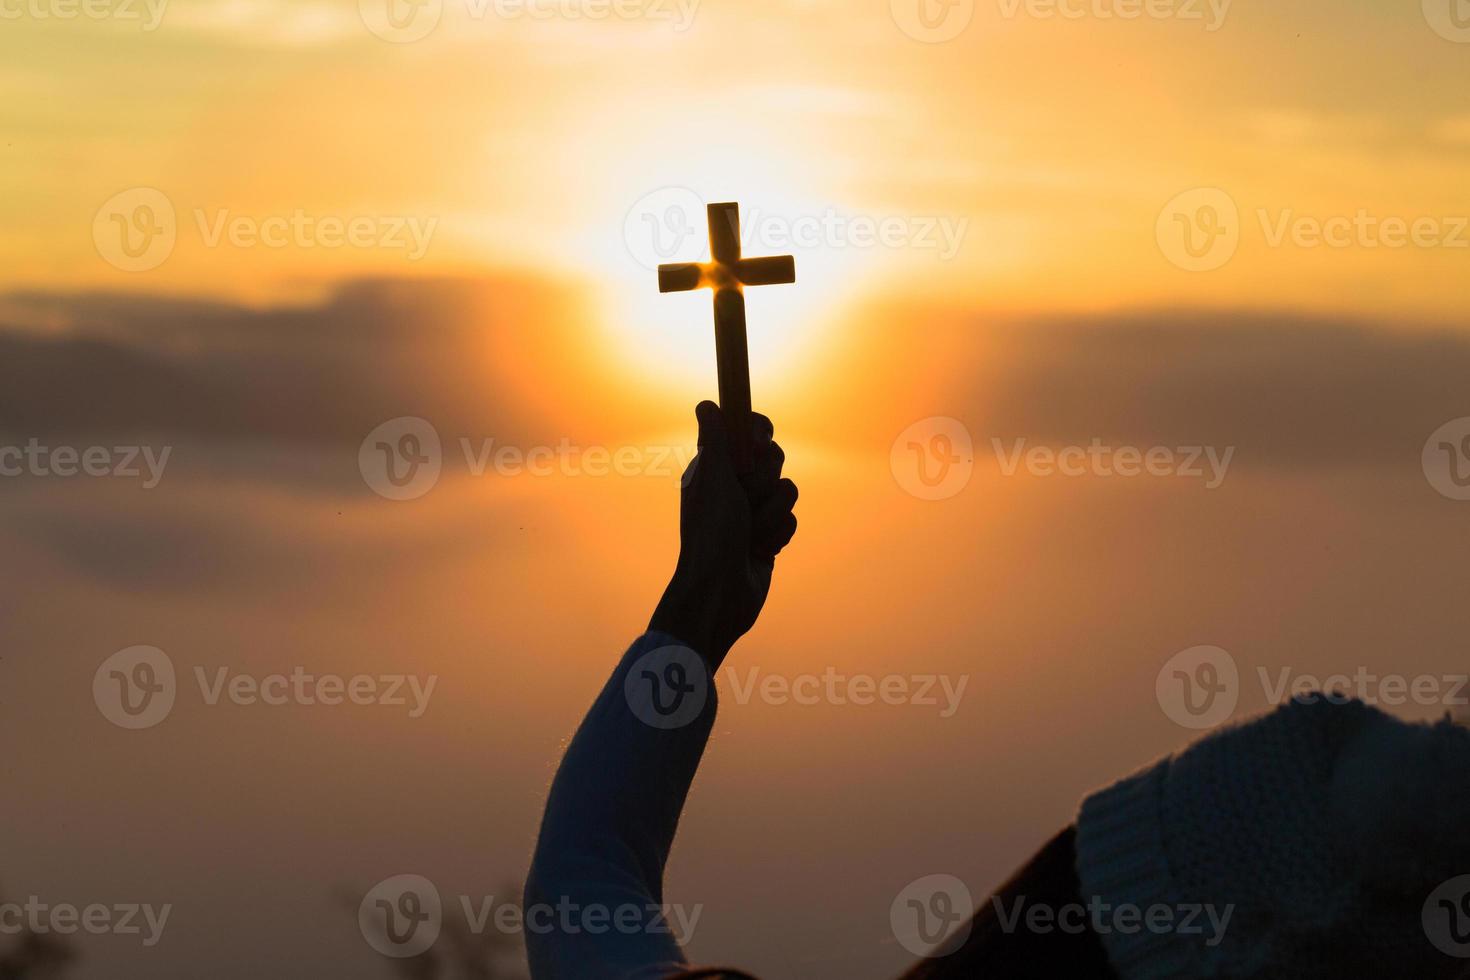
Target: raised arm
(594, 897)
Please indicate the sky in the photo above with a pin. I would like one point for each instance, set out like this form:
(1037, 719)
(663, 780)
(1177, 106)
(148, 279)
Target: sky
(249, 240)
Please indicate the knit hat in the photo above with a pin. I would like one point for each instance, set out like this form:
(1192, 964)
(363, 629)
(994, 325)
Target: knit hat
(1323, 840)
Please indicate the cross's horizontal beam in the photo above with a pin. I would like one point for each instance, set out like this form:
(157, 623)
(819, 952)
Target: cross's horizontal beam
(680, 277)
(767, 271)
(683, 276)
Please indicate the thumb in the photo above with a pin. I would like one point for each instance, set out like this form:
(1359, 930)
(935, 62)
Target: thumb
(714, 438)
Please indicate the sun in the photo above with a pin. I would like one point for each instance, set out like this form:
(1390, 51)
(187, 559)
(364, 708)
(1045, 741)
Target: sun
(670, 336)
(650, 209)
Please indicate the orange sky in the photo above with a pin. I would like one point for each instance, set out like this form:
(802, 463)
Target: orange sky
(525, 142)
(261, 229)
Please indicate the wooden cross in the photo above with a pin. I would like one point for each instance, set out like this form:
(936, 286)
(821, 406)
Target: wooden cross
(726, 273)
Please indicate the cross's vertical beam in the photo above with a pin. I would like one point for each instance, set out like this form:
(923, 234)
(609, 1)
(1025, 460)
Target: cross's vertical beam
(732, 352)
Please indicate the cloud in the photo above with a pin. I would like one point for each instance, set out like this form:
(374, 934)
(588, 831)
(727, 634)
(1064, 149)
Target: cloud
(511, 359)
(200, 536)
(461, 353)
(1288, 390)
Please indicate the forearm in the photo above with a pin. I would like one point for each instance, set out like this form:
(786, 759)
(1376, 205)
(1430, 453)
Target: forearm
(611, 817)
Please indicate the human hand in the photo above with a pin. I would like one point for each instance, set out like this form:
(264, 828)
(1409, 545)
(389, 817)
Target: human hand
(730, 530)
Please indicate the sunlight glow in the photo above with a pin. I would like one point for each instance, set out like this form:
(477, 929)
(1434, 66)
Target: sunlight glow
(669, 338)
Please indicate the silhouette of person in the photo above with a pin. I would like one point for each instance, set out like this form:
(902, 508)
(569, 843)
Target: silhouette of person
(1324, 839)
